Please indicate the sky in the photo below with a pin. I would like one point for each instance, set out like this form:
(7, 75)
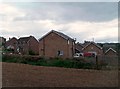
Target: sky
(80, 20)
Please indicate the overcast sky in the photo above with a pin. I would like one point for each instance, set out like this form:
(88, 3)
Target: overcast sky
(81, 20)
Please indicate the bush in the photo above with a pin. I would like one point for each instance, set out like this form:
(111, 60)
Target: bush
(57, 62)
(31, 52)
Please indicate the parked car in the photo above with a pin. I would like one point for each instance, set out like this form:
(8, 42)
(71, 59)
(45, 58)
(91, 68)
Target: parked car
(90, 54)
(78, 55)
(87, 54)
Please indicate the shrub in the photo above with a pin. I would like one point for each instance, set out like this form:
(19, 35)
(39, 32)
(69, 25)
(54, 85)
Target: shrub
(31, 52)
(57, 62)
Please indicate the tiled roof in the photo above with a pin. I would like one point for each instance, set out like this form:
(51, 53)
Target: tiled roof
(26, 39)
(79, 44)
(12, 39)
(92, 43)
(62, 35)
(58, 33)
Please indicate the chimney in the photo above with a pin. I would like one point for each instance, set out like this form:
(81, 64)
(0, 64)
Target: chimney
(9, 38)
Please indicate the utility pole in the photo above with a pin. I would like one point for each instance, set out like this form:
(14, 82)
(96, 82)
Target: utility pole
(93, 39)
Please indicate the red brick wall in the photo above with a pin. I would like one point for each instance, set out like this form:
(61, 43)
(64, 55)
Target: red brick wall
(111, 53)
(34, 45)
(2, 40)
(31, 45)
(24, 48)
(12, 42)
(50, 45)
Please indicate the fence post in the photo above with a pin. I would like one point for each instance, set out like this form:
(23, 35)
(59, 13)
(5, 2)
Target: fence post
(96, 62)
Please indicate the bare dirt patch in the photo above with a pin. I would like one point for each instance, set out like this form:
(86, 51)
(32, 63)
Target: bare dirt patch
(23, 75)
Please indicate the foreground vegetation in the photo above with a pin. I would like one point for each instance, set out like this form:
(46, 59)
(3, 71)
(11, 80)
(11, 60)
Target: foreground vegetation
(54, 62)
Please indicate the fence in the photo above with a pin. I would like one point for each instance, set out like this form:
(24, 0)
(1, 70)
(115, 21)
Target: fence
(108, 62)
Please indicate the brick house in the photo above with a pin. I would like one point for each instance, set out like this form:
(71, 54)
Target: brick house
(86, 43)
(2, 40)
(2, 43)
(11, 44)
(56, 44)
(28, 45)
(111, 52)
(93, 47)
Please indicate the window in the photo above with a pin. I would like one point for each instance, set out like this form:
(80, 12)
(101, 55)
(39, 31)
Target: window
(68, 42)
(91, 47)
(18, 49)
(60, 53)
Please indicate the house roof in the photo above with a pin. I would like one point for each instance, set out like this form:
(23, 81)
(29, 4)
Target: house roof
(58, 33)
(12, 39)
(79, 44)
(86, 43)
(26, 39)
(90, 44)
(111, 50)
(2, 39)
(77, 49)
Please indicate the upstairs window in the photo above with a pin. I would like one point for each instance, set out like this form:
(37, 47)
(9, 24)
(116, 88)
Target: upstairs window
(68, 42)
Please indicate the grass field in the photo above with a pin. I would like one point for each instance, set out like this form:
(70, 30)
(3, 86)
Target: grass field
(24, 75)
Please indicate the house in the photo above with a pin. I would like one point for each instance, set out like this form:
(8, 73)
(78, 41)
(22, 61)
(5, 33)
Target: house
(86, 43)
(56, 44)
(78, 47)
(2, 41)
(11, 45)
(111, 52)
(93, 47)
(28, 45)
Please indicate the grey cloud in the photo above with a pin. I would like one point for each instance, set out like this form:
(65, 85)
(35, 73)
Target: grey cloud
(109, 39)
(62, 13)
(70, 11)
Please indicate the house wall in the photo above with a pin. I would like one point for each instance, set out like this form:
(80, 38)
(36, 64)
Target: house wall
(2, 43)
(31, 45)
(71, 49)
(110, 53)
(2, 40)
(52, 43)
(23, 47)
(79, 47)
(34, 45)
(13, 42)
(93, 48)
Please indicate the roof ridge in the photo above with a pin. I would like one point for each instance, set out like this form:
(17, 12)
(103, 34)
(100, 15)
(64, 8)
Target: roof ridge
(24, 38)
(110, 49)
(91, 43)
(58, 33)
